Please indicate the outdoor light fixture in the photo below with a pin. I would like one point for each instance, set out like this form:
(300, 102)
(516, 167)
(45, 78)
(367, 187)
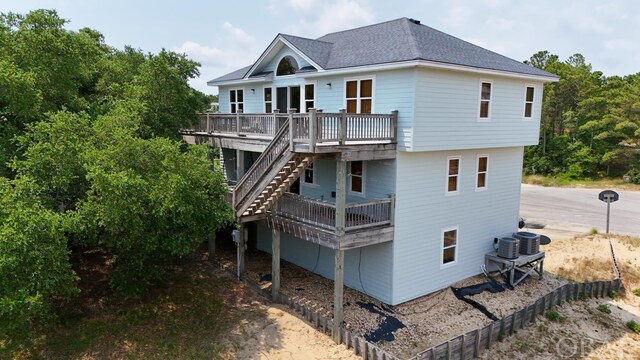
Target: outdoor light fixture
(329, 85)
(253, 91)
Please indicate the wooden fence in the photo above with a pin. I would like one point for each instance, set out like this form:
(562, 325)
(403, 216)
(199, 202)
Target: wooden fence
(471, 344)
(358, 344)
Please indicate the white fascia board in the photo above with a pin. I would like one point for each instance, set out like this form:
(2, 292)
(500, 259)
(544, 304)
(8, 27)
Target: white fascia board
(240, 81)
(431, 65)
(273, 44)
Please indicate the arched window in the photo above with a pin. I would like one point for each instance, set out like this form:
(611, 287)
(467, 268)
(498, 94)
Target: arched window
(287, 66)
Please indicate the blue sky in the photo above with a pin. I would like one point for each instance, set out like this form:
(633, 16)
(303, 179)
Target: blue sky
(226, 35)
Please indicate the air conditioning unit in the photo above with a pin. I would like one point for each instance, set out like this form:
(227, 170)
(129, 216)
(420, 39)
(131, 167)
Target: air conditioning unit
(529, 242)
(508, 247)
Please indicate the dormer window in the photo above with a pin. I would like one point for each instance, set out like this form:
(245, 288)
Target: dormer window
(287, 66)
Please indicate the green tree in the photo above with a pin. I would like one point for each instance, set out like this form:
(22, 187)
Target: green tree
(34, 260)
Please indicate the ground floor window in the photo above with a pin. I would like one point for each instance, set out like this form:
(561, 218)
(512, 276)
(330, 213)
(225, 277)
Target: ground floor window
(449, 245)
(356, 177)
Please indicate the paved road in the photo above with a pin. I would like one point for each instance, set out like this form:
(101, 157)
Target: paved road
(579, 209)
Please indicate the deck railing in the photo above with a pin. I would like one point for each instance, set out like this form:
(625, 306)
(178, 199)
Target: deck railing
(323, 213)
(314, 127)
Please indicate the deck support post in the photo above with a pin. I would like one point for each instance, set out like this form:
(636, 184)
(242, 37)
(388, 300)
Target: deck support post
(275, 264)
(341, 196)
(338, 295)
(239, 164)
(313, 125)
(292, 132)
(338, 281)
(342, 129)
(241, 248)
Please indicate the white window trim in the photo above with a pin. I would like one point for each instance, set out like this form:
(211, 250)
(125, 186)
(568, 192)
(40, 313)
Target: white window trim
(456, 246)
(446, 181)
(264, 101)
(314, 182)
(275, 70)
(533, 102)
(303, 94)
(358, 79)
(486, 173)
(364, 179)
(236, 102)
(480, 100)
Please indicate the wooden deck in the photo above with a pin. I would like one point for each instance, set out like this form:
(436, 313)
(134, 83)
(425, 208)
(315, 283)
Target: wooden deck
(365, 223)
(313, 132)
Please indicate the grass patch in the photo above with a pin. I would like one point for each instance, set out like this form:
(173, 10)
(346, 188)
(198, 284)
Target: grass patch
(587, 269)
(604, 308)
(636, 292)
(555, 316)
(185, 317)
(593, 231)
(561, 181)
(633, 326)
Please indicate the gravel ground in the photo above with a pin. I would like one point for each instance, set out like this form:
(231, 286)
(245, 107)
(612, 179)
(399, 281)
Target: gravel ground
(429, 320)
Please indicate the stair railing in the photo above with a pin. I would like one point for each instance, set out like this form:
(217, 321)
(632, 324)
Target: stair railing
(274, 151)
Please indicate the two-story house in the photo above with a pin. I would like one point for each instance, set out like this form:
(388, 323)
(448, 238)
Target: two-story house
(386, 157)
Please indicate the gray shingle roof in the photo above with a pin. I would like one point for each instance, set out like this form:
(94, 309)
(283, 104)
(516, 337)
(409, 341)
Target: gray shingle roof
(395, 41)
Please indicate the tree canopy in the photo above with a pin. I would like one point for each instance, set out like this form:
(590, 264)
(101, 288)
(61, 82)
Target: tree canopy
(590, 123)
(91, 156)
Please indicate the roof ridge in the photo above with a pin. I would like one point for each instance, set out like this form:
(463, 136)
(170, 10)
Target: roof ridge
(362, 27)
(305, 38)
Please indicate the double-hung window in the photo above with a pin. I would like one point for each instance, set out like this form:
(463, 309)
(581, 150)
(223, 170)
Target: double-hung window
(359, 96)
(485, 100)
(356, 177)
(309, 97)
(449, 246)
(453, 174)
(481, 172)
(528, 101)
(236, 100)
(268, 100)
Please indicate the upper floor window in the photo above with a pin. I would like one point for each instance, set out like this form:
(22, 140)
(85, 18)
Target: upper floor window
(236, 100)
(359, 96)
(453, 174)
(309, 97)
(449, 245)
(268, 100)
(287, 66)
(485, 100)
(481, 172)
(356, 177)
(528, 101)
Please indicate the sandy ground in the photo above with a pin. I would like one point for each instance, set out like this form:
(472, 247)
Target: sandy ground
(586, 332)
(282, 335)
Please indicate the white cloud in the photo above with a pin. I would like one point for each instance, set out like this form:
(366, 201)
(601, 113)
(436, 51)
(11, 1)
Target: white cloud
(239, 50)
(316, 18)
(238, 34)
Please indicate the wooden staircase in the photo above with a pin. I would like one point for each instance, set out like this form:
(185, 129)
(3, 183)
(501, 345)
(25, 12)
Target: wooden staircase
(270, 176)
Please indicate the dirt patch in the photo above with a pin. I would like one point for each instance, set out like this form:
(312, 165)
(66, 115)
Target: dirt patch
(426, 321)
(587, 331)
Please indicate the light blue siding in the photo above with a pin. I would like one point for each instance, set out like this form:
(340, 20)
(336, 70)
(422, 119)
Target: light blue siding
(379, 181)
(447, 107)
(423, 210)
(367, 269)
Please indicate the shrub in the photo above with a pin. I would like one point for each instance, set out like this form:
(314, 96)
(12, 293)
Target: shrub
(636, 292)
(553, 315)
(633, 326)
(604, 308)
